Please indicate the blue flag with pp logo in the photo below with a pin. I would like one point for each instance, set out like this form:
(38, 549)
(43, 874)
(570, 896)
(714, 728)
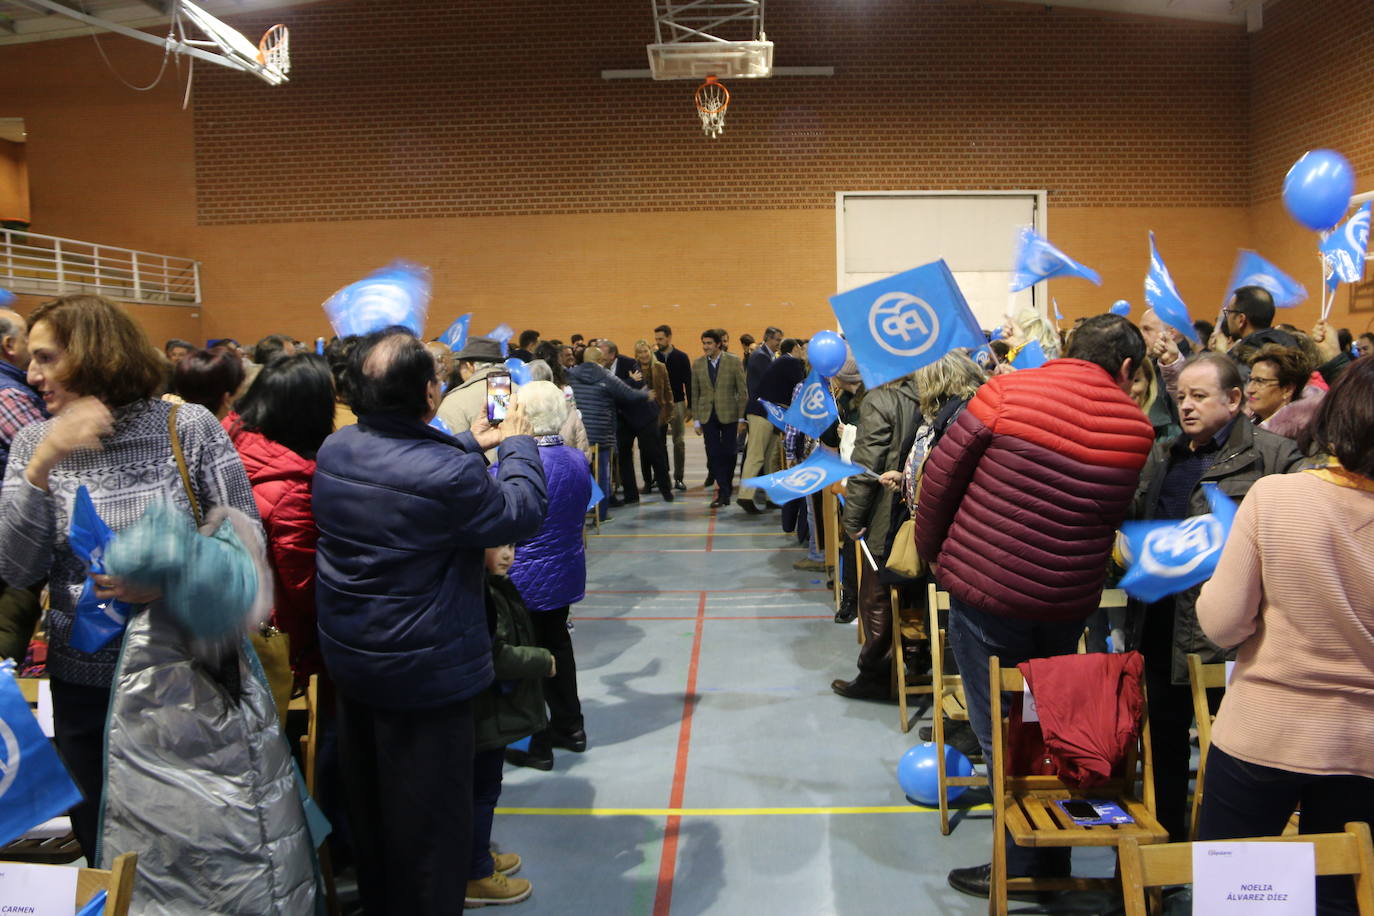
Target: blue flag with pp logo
(1162, 295)
(455, 337)
(776, 413)
(502, 333)
(1031, 356)
(34, 785)
(813, 409)
(1169, 557)
(896, 325)
(1037, 259)
(1345, 248)
(821, 468)
(397, 294)
(1253, 270)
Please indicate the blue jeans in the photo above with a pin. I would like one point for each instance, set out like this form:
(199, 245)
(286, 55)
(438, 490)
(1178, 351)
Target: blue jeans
(1242, 799)
(975, 637)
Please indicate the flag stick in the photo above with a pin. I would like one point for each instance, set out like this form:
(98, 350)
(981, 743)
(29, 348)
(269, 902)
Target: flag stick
(871, 562)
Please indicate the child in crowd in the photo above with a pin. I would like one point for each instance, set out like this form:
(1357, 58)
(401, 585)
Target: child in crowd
(510, 709)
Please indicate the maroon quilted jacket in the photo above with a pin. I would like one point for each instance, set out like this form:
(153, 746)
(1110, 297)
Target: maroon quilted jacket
(1021, 498)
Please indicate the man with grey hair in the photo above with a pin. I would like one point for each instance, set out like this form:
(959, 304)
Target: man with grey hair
(405, 513)
(20, 405)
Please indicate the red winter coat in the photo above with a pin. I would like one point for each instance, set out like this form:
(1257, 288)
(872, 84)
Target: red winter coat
(281, 486)
(1021, 498)
(1089, 707)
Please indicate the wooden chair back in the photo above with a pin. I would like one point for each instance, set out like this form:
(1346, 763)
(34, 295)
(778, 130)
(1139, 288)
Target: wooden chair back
(116, 882)
(1202, 678)
(947, 701)
(1153, 866)
(908, 626)
(595, 511)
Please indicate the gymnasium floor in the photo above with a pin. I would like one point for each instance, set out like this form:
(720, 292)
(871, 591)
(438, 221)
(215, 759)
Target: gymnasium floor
(722, 774)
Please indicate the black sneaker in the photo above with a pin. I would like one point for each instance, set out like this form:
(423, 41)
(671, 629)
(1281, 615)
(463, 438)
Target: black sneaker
(958, 735)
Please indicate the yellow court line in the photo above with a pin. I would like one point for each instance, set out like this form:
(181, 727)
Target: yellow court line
(723, 812)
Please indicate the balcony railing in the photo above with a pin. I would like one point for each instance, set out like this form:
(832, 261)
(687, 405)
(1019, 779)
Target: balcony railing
(45, 265)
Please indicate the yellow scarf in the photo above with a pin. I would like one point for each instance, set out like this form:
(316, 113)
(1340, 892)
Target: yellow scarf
(1335, 473)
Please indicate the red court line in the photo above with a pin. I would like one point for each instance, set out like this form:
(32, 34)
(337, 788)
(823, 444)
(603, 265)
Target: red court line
(667, 865)
(579, 618)
(711, 531)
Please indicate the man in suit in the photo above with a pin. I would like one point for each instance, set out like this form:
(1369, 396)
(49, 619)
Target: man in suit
(719, 394)
(775, 385)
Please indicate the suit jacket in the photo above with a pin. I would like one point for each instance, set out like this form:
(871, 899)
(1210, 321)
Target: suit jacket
(726, 397)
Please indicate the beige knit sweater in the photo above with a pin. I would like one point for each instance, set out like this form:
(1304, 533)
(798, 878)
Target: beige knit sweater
(1295, 591)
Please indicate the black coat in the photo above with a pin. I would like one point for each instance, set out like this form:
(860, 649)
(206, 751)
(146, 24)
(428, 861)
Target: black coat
(513, 706)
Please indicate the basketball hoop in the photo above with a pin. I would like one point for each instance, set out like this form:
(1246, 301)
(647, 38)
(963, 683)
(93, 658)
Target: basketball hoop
(274, 50)
(712, 99)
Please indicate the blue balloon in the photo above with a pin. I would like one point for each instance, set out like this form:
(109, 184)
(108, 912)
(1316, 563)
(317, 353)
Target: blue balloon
(919, 777)
(1121, 307)
(827, 352)
(1317, 188)
(519, 371)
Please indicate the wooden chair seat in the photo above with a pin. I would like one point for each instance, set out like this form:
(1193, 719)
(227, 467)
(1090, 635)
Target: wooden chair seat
(1033, 819)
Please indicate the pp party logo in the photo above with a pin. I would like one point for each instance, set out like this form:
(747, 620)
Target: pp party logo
(9, 761)
(1178, 550)
(801, 479)
(814, 403)
(903, 324)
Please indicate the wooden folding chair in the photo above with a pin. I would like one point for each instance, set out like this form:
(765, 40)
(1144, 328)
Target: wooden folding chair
(1146, 867)
(41, 850)
(947, 701)
(1024, 806)
(310, 745)
(830, 511)
(1201, 678)
(907, 627)
(117, 883)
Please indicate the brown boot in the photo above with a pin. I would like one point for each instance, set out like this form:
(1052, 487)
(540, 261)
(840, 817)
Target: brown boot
(496, 890)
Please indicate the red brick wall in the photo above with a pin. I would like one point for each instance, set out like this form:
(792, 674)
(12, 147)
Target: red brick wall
(1312, 86)
(463, 141)
(408, 108)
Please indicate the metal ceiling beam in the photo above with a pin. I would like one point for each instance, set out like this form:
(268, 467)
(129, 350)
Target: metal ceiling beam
(178, 47)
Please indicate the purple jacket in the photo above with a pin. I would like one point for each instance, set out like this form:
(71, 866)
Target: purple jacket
(550, 569)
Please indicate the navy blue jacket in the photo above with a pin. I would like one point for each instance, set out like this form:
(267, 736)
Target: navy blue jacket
(404, 514)
(599, 394)
(780, 378)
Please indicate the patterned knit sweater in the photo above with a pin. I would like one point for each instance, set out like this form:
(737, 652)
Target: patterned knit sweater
(134, 466)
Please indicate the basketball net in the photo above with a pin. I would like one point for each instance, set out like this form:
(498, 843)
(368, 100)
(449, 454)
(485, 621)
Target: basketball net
(712, 98)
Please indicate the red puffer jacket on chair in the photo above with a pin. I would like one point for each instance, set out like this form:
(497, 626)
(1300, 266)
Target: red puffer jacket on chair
(1021, 498)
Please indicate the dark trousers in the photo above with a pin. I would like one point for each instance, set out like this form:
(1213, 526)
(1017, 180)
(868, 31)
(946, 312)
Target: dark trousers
(486, 792)
(79, 714)
(720, 439)
(651, 448)
(603, 478)
(1243, 799)
(975, 637)
(409, 781)
(1171, 716)
(560, 691)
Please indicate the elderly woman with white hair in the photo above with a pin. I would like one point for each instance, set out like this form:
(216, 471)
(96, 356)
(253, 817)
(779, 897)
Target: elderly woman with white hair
(574, 433)
(1028, 325)
(550, 571)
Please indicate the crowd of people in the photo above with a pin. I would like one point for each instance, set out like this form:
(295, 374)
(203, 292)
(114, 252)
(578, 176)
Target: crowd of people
(423, 558)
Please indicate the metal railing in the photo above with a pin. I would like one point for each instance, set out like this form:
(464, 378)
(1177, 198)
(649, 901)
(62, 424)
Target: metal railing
(45, 265)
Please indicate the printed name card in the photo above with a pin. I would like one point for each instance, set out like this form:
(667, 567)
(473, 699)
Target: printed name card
(37, 890)
(44, 711)
(1263, 879)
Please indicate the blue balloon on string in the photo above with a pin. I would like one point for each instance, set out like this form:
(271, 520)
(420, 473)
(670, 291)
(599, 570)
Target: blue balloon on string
(919, 777)
(519, 370)
(1121, 307)
(827, 352)
(6, 297)
(1317, 188)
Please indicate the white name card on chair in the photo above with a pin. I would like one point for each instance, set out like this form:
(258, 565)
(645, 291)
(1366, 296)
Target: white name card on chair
(1263, 879)
(37, 890)
(44, 711)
